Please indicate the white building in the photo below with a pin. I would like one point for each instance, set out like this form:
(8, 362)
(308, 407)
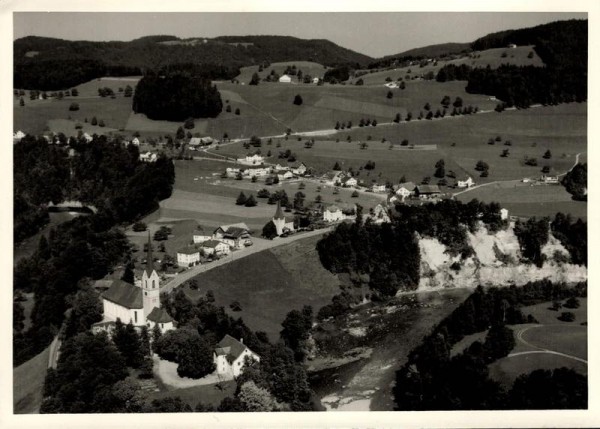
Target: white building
(285, 79)
(188, 256)
(135, 141)
(148, 157)
(138, 305)
(215, 247)
(230, 356)
(200, 236)
(377, 188)
(503, 214)
(255, 159)
(18, 136)
(405, 190)
(333, 214)
(315, 80)
(348, 182)
(281, 224)
(467, 183)
(258, 172)
(299, 169)
(87, 137)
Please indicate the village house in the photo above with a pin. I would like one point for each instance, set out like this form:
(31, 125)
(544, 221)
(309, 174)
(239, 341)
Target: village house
(467, 183)
(188, 256)
(236, 235)
(280, 167)
(135, 141)
(139, 305)
(283, 175)
(200, 236)
(550, 178)
(333, 214)
(405, 190)
(375, 187)
(230, 356)
(391, 85)
(216, 248)
(504, 214)
(148, 157)
(196, 142)
(348, 182)
(512, 45)
(315, 80)
(427, 191)
(231, 171)
(280, 222)
(258, 172)
(255, 159)
(299, 169)
(379, 215)
(285, 79)
(87, 137)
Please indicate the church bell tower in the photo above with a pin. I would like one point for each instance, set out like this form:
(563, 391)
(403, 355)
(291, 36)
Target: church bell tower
(150, 283)
(279, 219)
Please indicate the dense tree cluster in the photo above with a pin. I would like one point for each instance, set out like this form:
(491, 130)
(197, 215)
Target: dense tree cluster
(336, 75)
(432, 379)
(573, 235)
(176, 97)
(533, 235)
(575, 182)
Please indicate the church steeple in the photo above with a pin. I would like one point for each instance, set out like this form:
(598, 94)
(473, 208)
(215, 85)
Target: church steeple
(279, 212)
(149, 258)
(279, 219)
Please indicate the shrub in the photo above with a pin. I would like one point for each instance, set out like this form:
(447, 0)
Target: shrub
(567, 316)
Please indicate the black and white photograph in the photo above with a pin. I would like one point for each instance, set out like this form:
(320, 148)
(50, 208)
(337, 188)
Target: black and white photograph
(238, 211)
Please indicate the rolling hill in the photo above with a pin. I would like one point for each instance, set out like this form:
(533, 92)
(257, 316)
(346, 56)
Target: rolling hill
(39, 61)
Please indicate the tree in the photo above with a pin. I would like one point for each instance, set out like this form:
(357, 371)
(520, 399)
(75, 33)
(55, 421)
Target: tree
(241, 199)
(299, 200)
(337, 167)
(255, 398)
(189, 124)
(354, 194)
(390, 94)
(505, 153)
(397, 118)
(196, 358)
(169, 405)
(296, 330)
(255, 79)
(402, 85)
(128, 91)
(567, 316)
(440, 171)
(445, 101)
(128, 343)
(139, 226)
(427, 106)
(180, 134)
(250, 202)
(94, 121)
(269, 230)
(575, 182)
(298, 100)
(572, 302)
(75, 92)
(547, 154)
(21, 102)
(74, 107)
(458, 102)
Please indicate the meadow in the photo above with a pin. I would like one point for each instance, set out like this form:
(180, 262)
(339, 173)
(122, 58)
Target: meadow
(28, 384)
(307, 68)
(269, 284)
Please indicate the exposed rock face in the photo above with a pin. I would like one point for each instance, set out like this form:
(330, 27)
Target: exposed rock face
(496, 262)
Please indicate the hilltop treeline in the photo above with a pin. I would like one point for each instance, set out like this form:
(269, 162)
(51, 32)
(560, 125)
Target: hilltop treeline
(562, 46)
(433, 51)
(73, 62)
(433, 380)
(176, 97)
(106, 175)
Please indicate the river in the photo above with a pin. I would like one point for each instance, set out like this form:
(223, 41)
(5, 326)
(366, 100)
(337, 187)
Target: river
(367, 384)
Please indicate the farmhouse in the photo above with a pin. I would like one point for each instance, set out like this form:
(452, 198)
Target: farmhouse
(200, 236)
(503, 214)
(252, 159)
(379, 215)
(348, 182)
(280, 167)
(427, 191)
(215, 247)
(200, 141)
(258, 172)
(299, 169)
(377, 187)
(230, 356)
(467, 183)
(236, 235)
(333, 214)
(188, 256)
(281, 225)
(550, 178)
(315, 80)
(148, 157)
(285, 79)
(405, 190)
(87, 137)
(138, 305)
(391, 85)
(282, 175)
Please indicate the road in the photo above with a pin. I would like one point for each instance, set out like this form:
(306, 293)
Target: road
(520, 338)
(258, 246)
(54, 352)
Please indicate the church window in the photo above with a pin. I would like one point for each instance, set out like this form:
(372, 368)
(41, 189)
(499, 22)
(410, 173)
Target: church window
(146, 293)
(162, 325)
(153, 283)
(135, 316)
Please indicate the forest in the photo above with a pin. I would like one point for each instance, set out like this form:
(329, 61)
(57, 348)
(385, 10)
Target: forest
(109, 176)
(176, 97)
(432, 380)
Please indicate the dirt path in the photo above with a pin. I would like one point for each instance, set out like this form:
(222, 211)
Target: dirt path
(520, 338)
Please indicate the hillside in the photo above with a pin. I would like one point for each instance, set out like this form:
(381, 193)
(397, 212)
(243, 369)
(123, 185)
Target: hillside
(39, 61)
(432, 51)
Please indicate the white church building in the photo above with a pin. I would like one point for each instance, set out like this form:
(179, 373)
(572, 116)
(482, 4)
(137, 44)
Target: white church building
(281, 225)
(139, 305)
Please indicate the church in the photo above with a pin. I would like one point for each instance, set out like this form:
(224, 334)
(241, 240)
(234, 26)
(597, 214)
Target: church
(281, 224)
(139, 305)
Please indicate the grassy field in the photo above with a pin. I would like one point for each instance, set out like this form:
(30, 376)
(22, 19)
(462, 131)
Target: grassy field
(28, 384)
(545, 316)
(207, 395)
(270, 284)
(523, 199)
(491, 57)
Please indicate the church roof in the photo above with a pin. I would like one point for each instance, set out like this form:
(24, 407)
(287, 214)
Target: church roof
(159, 315)
(124, 294)
(230, 347)
(279, 212)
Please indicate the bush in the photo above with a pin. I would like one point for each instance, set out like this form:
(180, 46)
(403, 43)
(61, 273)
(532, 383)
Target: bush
(572, 303)
(298, 100)
(567, 316)
(74, 107)
(139, 227)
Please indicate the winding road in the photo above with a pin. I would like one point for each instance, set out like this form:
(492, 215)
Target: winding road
(520, 338)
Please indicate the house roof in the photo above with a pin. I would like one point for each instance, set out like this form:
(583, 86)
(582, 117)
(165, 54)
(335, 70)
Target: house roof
(332, 209)
(235, 232)
(409, 186)
(159, 315)
(195, 141)
(103, 283)
(241, 225)
(347, 178)
(230, 347)
(188, 250)
(212, 243)
(124, 294)
(428, 189)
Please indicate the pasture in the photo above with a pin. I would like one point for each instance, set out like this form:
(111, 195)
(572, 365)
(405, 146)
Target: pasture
(307, 68)
(28, 384)
(270, 284)
(207, 395)
(492, 57)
